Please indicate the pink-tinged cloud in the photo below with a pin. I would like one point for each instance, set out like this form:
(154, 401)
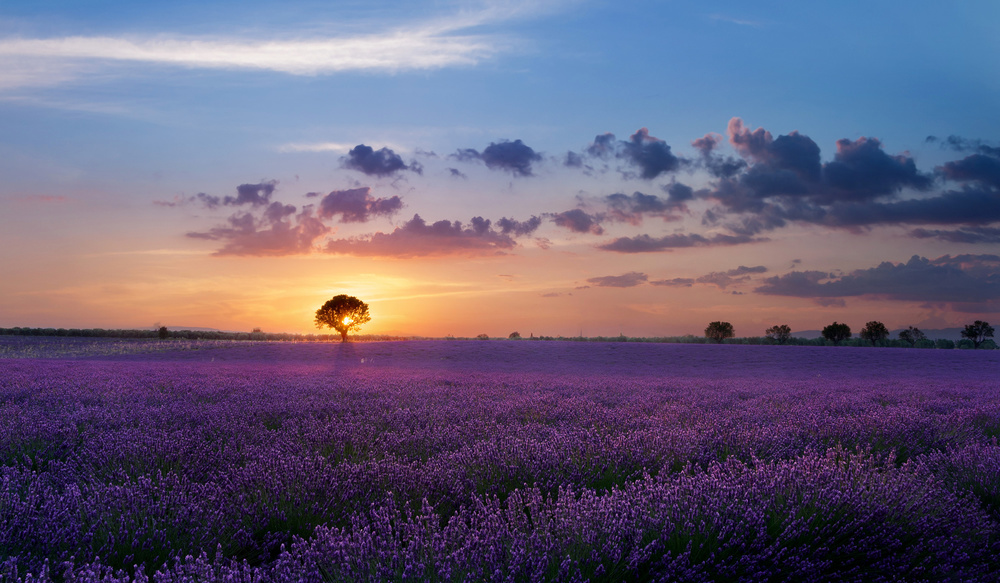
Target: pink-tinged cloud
(630, 279)
(578, 221)
(43, 198)
(648, 244)
(963, 279)
(417, 238)
(278, 231)
(357, 205)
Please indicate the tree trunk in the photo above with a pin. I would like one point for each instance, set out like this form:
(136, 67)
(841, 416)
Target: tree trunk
(343, 336)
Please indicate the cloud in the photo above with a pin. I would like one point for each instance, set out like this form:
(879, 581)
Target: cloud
(357, 205)
(382, 162)
(431, 44)
(971, 235)
(969, 206)
(974, 168)
(960, 144)
(518, 228)
(206, 200)
(724, 279)
(956, 280)
(417, 238)
(631, 279)
(651, 155)
(675, 282)
(631, 209)
(252, 194)
(648, 244)
(830, 302)
(515, 157)
(578, 221)
(278, 231)
(456, 173)
(862, 170)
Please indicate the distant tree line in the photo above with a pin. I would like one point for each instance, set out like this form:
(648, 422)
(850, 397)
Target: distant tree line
(163, 333)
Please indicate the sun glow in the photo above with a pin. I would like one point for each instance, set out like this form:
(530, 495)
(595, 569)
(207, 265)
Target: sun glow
(347, 320)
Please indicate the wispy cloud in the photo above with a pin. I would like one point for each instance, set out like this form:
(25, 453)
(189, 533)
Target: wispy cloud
(431, 44)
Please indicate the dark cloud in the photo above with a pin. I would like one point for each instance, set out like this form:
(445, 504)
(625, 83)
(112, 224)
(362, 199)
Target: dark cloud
(967, 235)
(969, 206)
(278, 231)
(515, 157)
(675, 282)
(604, 145)
(956, 280)
(206, 200)
(960, 144)
(631, 209)
(630, 279)
(381, 162)
(862, 170)
(573, 160)
(456, 173)
(518, 228)
(252, 194)
(357, 205)
(578, 221)
(651, 155)
(647, 244)
(417, 238)
(974, 168)
(707, 143)
(724, 279)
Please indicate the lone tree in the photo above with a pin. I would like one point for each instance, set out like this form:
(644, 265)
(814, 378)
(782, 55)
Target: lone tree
(719, 331)
(837, 333)
(779, 334)
(912, 335)
(343, 313)
(874, 332)
(977, 332)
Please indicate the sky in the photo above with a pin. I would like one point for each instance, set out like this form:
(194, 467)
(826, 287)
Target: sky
(562, 167)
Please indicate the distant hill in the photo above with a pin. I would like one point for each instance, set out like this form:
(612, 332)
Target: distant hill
(954, 334)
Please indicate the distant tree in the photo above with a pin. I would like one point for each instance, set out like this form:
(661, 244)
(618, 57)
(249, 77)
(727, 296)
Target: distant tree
(912, 335)
(343, 313)
(719, 331)
(977, 332)
(483, 337)
(837, 333)
(874, 332)
(514, 336)
(779, 334)
(944, 344)
(163, 333)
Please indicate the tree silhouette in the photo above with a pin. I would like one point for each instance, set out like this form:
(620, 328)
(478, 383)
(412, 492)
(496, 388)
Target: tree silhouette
(343, 313)
(977, 332)
(874, 332)
(719, 331)
(912, 335)
(779, 334)
(837, 333)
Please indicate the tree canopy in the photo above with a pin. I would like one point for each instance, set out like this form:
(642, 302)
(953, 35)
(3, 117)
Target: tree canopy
(719, 331)
(780, 333)
(977, 332)
(837, 333)
(344, 314)
(912, 335)
(874, 332)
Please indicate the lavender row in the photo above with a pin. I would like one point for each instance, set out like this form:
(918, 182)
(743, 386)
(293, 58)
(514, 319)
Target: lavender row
(348, 471)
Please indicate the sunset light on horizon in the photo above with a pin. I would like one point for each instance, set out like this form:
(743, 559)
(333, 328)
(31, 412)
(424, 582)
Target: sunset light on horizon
(568, 167)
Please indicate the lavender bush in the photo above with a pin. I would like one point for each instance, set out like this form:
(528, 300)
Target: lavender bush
(499, 461)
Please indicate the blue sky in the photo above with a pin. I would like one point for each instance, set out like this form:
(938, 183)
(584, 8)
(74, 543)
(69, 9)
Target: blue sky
(118, 115)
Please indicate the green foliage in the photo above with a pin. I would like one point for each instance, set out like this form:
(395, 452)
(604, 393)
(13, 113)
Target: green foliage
(944, 344)
(977, 332)
(874, 332)
(837, 333)
(780, 333)
(343, 313)
(912, 335)
(719, 331)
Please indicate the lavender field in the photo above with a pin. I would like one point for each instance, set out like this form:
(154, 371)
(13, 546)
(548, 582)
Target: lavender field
(496, 461)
